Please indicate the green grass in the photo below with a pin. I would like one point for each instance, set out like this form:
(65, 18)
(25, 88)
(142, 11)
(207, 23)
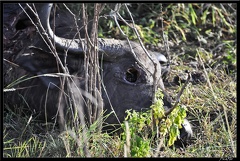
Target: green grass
(208, 38)
(207, 111)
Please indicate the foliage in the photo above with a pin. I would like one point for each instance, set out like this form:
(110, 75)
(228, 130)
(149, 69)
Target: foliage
(169, 124)
(205, 30)
(140, 124)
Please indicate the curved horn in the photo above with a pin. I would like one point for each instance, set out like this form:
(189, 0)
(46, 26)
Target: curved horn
(107, 46)
(62, 43)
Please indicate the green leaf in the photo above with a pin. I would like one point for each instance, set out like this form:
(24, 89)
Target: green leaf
(204, 16)
(192, 14)
(174, 132)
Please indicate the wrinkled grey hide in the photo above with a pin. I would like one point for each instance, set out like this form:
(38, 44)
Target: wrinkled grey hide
(129, 83)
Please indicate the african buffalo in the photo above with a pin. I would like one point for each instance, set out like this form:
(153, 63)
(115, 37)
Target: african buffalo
(129, 74)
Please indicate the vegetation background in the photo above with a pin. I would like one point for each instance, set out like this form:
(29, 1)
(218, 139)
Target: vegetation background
(196, 37)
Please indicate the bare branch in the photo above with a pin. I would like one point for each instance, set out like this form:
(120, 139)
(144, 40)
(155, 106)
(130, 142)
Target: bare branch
(178, 96)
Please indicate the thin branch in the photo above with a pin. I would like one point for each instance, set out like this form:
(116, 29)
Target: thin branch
(178, 96)
(116, 14)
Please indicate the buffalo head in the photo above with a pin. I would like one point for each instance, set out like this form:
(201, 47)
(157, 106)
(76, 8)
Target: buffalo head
(129, 73)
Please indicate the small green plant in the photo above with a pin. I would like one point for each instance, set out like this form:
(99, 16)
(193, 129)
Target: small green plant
(138, 123)
(140, 126)
(167, 124)
(230, 57)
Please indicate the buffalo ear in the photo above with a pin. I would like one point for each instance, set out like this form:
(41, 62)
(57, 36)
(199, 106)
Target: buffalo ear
(39, 62)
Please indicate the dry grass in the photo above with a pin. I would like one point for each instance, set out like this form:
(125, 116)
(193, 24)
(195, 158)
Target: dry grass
(212, 114)
(211, 108)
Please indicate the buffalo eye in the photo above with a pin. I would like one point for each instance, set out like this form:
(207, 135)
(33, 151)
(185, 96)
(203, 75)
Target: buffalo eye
(131, 75)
